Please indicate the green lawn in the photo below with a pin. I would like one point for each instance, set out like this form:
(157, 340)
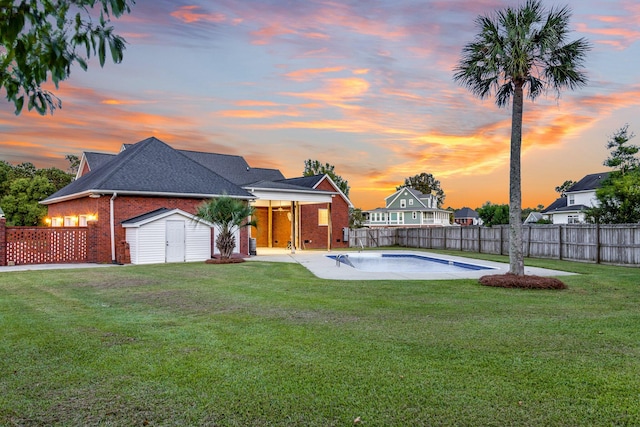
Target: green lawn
(264, 344)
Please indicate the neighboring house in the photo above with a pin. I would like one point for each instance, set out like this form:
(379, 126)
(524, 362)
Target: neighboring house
(466, 216)
(569, 209)
(533, 217)
(408, 208)
(150, 185)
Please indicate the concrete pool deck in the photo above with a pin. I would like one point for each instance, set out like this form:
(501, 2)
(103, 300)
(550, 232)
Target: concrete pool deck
(319, 263)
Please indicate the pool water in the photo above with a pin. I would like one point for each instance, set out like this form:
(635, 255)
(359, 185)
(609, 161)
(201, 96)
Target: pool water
(405, 263)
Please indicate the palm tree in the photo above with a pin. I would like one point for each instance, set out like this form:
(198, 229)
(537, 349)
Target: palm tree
(228, 215)
(517, 49)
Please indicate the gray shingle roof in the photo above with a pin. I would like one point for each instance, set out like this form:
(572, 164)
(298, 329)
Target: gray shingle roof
(233, 168)
(560, 205)
(589, 182)
(465, 213)
(304, 181)
(151, 166)
(96, 160)
(145, 216)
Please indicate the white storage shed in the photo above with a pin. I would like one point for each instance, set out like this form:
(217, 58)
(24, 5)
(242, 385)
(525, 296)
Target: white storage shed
(168, 235)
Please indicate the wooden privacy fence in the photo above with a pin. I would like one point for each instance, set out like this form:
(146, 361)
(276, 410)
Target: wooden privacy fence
(609, 244)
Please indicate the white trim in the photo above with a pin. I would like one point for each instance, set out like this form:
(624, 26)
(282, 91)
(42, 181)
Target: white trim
(162, 215)
(87, 193)
(346, 199)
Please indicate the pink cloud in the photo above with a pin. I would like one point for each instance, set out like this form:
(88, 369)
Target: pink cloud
(191, 14)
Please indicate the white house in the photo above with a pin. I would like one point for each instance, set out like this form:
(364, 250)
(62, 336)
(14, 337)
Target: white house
(408, 208)
(569, 209)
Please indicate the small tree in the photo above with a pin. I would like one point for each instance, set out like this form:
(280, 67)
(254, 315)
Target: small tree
(491, 214)
(562, 188)
(356, 218)
(426, 184)
(228, 215)
(314, 167)
(623, 155)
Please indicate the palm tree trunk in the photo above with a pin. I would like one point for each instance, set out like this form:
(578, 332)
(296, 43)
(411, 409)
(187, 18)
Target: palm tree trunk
(516, 256)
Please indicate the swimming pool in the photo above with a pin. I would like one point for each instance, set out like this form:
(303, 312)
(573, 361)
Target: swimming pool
(404, 263)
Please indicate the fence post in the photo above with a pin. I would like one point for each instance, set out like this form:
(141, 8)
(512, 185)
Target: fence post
(559, 241)
(3, 241)
(598, 243)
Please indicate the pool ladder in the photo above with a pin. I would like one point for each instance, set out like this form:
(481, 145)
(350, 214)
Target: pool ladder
(344, 256)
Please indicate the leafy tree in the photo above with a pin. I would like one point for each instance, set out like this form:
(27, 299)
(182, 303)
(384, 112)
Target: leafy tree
(314, 167)
(623, 155)
(21, 188)
(44, 38)
(618, 198)
(229, 215)
(356, 218)
(516, 49)
(491, 214)
(619, 194)
(21, 205)
(6, 171)
(426, 184)
(74, 163)
(562, 188)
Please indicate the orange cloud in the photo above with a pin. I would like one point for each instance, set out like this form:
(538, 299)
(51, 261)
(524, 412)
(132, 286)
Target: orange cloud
(301, 75)
(251, 103)
(254, 114)
(337, 90)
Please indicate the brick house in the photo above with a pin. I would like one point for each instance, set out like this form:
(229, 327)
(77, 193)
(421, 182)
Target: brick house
(150, 176)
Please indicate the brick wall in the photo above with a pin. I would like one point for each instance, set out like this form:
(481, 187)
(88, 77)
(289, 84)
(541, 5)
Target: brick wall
(125, 207)
(3, 241)
(314, 236)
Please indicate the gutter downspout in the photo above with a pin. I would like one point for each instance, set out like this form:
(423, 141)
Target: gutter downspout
(113, 228)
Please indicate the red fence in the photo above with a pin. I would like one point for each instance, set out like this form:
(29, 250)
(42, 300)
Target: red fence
(44, 245)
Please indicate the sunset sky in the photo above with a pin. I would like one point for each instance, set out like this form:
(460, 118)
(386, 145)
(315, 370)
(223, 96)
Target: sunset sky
(364, 85)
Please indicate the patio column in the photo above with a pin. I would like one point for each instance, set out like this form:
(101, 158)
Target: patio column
(329, 226)
(270, 226)
(293, 228)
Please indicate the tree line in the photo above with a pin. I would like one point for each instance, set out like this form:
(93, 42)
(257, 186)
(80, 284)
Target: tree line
(23, 186)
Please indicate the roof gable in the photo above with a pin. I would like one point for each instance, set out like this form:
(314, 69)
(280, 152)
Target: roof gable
(393, 200)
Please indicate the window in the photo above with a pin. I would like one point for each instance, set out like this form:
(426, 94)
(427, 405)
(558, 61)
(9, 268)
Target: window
(323, 217)
(414, 215)
(70, 221)
(410, 202)
(403, 203)
(573, 219)
(571, 199)
(83, 220)
(56, 222)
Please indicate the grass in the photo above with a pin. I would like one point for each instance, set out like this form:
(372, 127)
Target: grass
(265, 344)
